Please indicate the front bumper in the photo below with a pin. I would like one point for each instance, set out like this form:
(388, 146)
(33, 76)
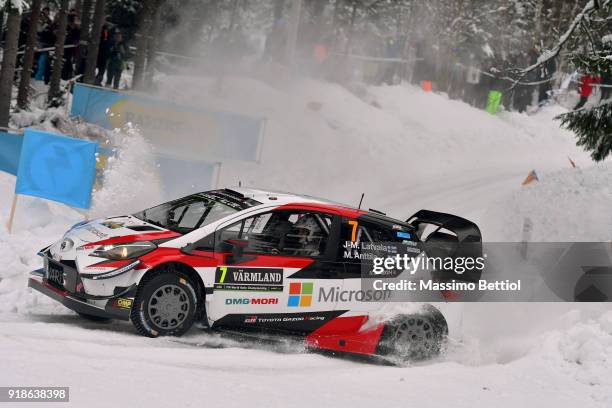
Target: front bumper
(117, 307)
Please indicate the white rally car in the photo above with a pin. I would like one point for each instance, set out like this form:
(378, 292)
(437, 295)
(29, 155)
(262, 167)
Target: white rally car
(245, 260)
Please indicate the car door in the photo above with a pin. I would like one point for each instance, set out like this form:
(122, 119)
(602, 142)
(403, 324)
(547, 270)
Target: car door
(358, 237)
(274, 272)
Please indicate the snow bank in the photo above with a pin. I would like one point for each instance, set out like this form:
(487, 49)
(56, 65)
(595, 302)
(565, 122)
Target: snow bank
(564, 206)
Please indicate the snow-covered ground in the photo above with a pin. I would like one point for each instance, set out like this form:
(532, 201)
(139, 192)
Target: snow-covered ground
(405, 150)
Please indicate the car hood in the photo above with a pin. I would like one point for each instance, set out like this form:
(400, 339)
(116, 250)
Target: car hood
(81, 239)
(102, 229)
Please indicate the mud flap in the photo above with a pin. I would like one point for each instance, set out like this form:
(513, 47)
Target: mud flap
(445, 235)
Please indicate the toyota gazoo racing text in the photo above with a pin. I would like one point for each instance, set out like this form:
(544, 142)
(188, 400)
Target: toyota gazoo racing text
(247, 261)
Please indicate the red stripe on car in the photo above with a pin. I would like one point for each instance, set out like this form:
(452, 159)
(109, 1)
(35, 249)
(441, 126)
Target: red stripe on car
(150, 236)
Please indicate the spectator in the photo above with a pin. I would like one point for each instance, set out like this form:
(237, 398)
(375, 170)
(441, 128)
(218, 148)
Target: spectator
(73, 32)
(46, 39)
(103, 54)
(586, 89)
(116, 60)
(547, 73)
(276, 42)
(473, 79)
(606, 82)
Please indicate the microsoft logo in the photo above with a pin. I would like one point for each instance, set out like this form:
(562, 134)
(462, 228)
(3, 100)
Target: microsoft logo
(300, 294)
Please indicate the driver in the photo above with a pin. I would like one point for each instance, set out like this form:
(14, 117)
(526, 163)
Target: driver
(309, 235)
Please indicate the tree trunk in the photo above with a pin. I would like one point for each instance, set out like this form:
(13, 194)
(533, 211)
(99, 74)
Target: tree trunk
(351, 29)
(7, 72)
(234, 14)
(1, 23)
(28, 58)
(58, 63)
(85, 14)
(77, 7)
(94, 41)
(337, 10)
(153, 44)
(141, 44)
(292, 35)
(279, 5)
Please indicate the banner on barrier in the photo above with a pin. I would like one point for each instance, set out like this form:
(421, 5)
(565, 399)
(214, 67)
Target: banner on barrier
(57, 168)
(10, 150)
(176, 130)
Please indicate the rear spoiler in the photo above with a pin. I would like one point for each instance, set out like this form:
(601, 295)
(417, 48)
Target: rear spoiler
(451, 236)
(465, 230)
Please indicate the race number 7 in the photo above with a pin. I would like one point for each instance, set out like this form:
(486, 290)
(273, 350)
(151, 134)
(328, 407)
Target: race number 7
(354, 224)
(223, 270)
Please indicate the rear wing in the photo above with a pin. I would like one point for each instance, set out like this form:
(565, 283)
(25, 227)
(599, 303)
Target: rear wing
(445, 235)
(464, 230)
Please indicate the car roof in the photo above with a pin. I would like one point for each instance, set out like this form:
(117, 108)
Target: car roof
(280, 197)
(297, 201)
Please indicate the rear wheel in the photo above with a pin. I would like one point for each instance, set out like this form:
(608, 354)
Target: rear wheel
(165, 304)
(414, 337)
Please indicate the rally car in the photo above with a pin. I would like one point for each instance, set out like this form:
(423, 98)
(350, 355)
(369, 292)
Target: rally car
(245, 260)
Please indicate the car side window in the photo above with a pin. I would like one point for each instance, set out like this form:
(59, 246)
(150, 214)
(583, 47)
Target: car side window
(354, 234)
(289, 233)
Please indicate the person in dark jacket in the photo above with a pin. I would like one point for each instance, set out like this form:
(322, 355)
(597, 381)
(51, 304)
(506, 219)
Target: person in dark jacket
(606, 82)
(103, 53)
(116, 60)
(46, 39)
(73, 33)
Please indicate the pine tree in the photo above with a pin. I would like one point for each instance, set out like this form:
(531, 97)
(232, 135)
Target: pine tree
(593, 126)
(593, 56)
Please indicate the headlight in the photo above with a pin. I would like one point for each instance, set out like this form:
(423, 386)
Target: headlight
(66, 245)
(126, 250)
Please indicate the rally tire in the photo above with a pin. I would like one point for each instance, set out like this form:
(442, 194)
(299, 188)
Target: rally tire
(166, 304)
(414, 337)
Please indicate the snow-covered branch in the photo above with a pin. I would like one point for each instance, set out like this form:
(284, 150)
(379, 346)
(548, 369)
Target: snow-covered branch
(15, 4)
(579, 20)
(550, 54)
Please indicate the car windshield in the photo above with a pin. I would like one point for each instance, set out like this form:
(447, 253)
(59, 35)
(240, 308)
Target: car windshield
(195, 211)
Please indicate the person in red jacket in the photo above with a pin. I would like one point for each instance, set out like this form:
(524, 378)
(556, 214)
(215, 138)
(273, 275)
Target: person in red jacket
(586, 89)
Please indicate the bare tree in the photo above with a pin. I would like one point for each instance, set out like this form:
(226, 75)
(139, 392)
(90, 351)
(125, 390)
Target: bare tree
(28, 58)
(7, 72)
(77, 7)
(153, 43)
(94, 41)
(58, 63)
(144, 26)
(85, 14)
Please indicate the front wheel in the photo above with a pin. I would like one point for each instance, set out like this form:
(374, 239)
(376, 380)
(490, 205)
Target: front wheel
(414, 337)
(165, 304)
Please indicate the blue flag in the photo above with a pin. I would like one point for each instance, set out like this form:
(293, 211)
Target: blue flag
(10, 149)
(57, 168)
